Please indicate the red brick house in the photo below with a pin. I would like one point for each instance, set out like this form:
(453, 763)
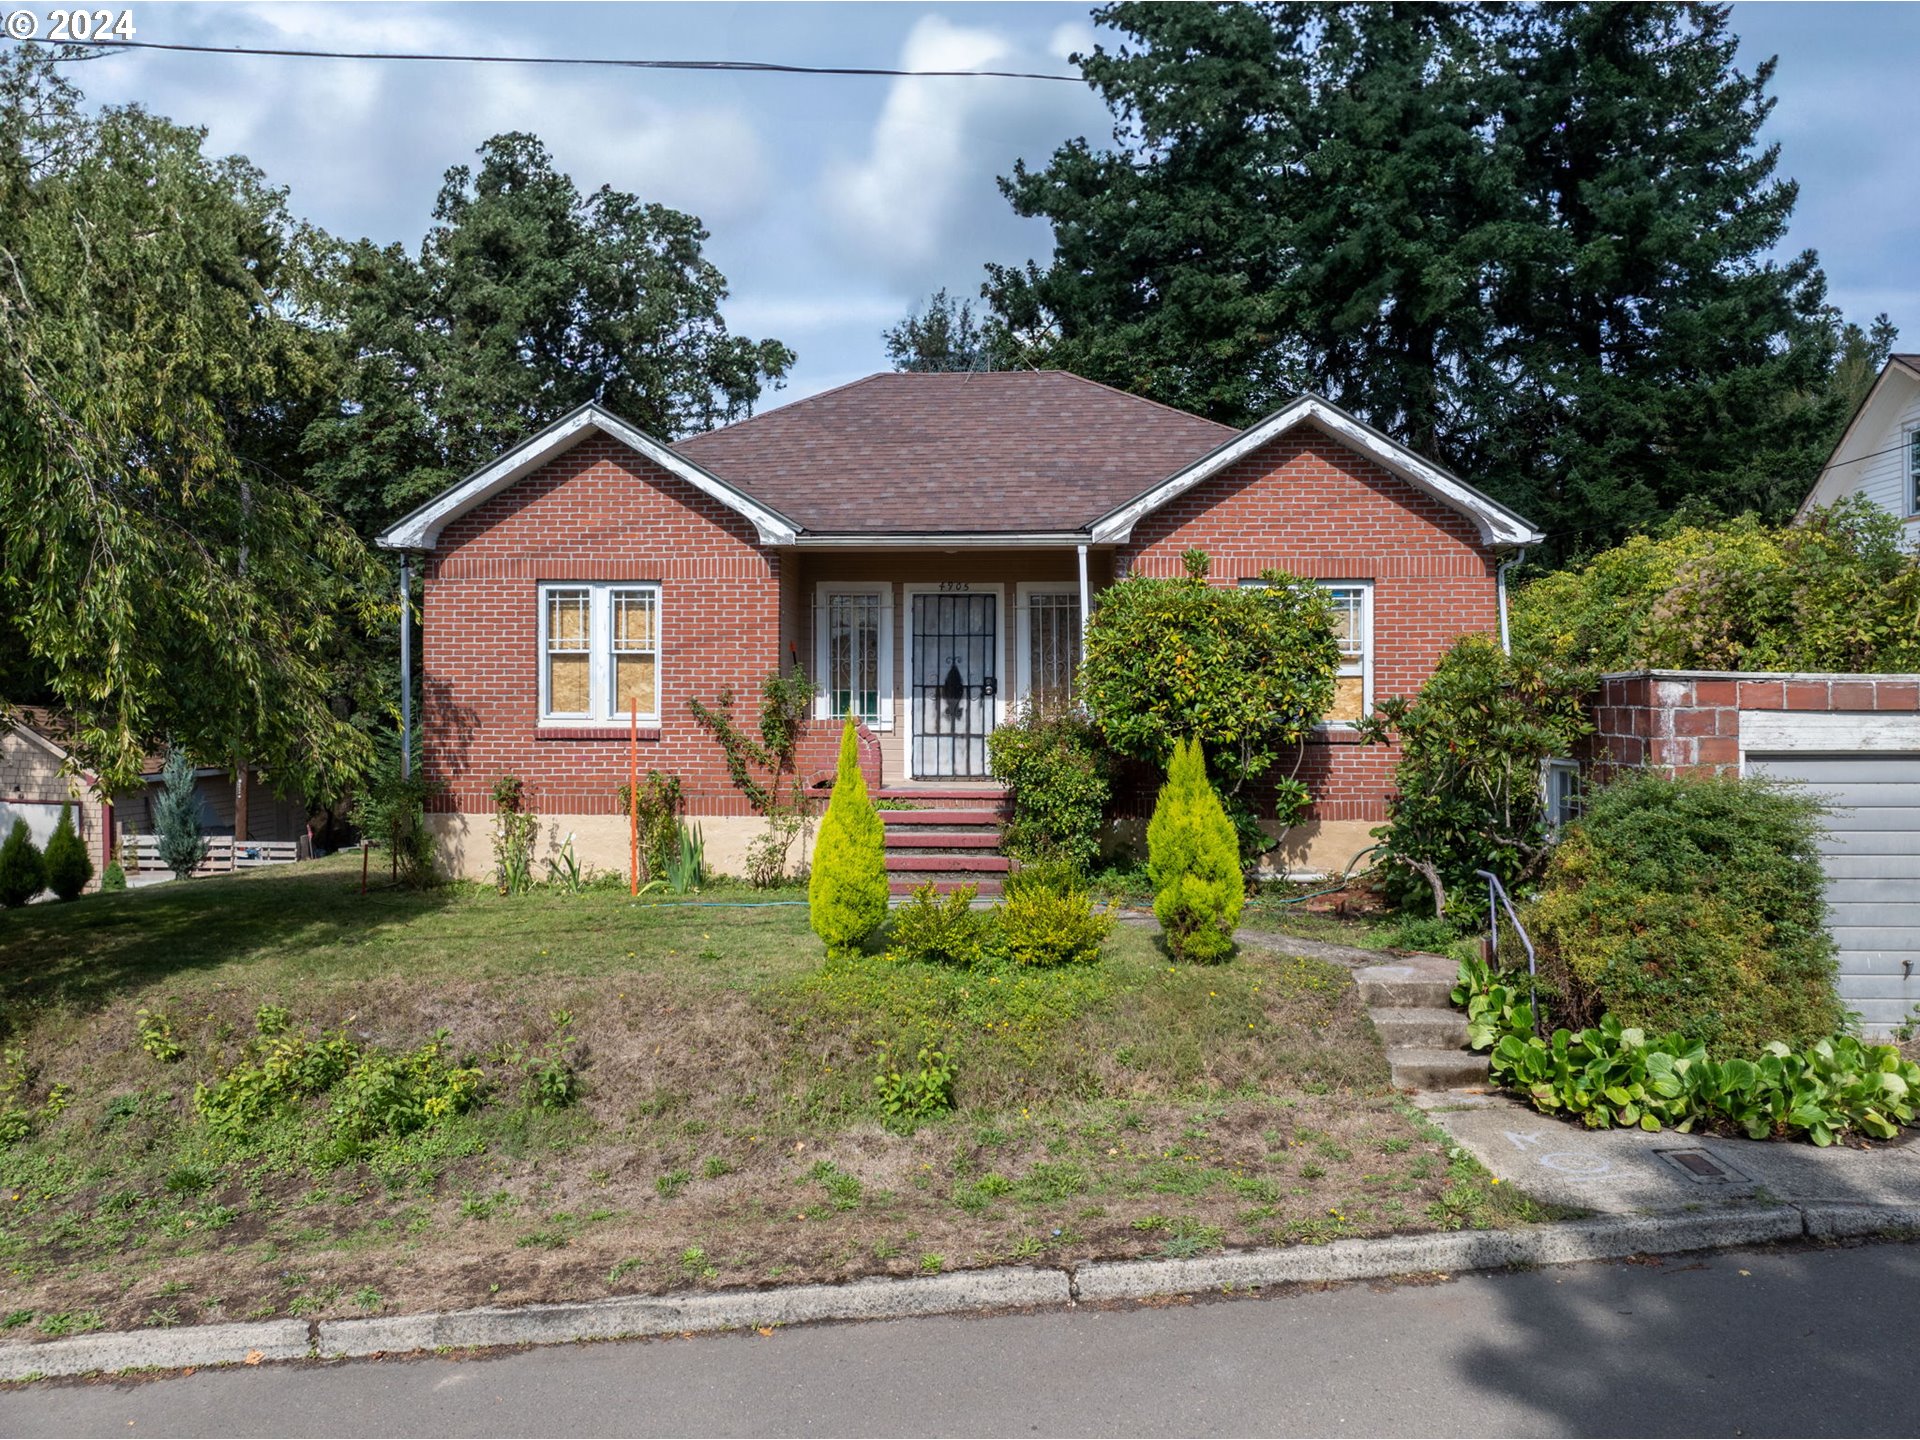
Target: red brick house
(926, 545)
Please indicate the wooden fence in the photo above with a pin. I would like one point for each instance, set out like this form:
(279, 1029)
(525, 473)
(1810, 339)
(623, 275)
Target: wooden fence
(224, 854)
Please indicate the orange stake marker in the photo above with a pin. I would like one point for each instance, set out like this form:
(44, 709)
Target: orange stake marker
(633, 799)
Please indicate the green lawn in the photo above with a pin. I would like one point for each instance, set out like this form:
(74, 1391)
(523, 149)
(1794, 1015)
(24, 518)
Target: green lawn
(726, 1130)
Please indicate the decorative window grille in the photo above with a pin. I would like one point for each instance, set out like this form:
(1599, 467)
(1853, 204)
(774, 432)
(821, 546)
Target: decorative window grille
(569, 652)
(1053, 648)
(1352, 627)
(635, 650)
(600, 651)
(853, 654)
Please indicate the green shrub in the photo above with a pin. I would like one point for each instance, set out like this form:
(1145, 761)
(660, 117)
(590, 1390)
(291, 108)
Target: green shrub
(1611, 1074)
(1055, 769)
(1195, 863)
(942, 930)
(847, 891)
(1692, 906)
(23, 874)
(1249, 670)
(154, 1031)
(1467, 786)
(658, 814)
(908, 1097)
(113, 878)
(392, 812)
(67, 865)
(1048, 918)
(176, 817)
(515, 833)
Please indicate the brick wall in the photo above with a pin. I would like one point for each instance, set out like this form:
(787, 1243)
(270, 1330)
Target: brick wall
(1677, 720)
(599, 512)
(1309, 505)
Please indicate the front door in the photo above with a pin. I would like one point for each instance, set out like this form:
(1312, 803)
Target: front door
(954, 680)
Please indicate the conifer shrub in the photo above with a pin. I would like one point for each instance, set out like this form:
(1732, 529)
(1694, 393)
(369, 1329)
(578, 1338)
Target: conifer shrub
(68, 868)
(847, 891)
(113, 877)
(1691, 907)
(1049, 918)
(23, 873)
(1194, 859)
(176, 818)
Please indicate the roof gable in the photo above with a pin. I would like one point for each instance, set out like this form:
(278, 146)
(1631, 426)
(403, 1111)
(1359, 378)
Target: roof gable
(1892, 391)
(421, 530)
(1497, 525)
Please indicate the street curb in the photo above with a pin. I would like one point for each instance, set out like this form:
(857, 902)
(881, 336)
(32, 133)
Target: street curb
(876, 1299)
(1557, 1244)
(233, 1344)
(1561, 1243)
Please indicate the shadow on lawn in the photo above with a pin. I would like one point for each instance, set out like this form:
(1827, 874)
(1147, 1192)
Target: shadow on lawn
(87, 951)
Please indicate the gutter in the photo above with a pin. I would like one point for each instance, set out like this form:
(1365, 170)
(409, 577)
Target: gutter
(1500, 581)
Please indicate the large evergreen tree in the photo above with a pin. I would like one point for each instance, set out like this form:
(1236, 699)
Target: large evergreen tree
(1530, 241)
(527, 299)
(941, 337)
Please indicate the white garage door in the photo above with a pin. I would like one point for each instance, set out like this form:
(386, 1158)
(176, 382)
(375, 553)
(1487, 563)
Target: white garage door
(1872, 858)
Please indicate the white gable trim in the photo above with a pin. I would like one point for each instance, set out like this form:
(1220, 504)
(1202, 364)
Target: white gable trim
(1840, 476)
(421, 530)
(1498, 525)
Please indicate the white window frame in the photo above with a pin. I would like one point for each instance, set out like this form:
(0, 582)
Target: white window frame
(1363, 667)
(1911, 452)
(1023, 594)
(600, 651)
(1551, 770)
(823, 679)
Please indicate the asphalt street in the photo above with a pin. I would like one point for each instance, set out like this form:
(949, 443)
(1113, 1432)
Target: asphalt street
(1787, 1342)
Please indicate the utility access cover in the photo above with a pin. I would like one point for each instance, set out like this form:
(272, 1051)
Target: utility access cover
(1702, 1168)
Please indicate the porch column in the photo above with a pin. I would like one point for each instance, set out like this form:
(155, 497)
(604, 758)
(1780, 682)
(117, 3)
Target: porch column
(1086, 599)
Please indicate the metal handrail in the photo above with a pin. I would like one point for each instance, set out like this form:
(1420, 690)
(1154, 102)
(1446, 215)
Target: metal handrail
(1497, 900)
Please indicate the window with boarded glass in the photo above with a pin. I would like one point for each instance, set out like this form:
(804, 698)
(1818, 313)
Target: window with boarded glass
(1913, 472)
(1353, 629)
(569, 657)
(853, 654)
(599, 651)
(635, 651)
(1053, 648)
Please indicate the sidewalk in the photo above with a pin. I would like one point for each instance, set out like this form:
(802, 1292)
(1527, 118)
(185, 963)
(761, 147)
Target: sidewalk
(1635, 1172)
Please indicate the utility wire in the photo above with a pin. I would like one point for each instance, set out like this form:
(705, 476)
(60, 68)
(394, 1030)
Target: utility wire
(766, 67)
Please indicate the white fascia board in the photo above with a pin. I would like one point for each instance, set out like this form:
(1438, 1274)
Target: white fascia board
(421, 530)
(1498, 526)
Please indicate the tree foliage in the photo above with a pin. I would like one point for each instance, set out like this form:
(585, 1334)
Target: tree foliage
(1056, 773)
(1533, 242)
(163, 569)
(526, 300)
(1467, 788)
(944, 336)
(1248, 671)
(847, 891)
(1194, 859)
(1836, 592)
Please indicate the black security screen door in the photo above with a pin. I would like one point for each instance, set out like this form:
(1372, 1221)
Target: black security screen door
(956, 647)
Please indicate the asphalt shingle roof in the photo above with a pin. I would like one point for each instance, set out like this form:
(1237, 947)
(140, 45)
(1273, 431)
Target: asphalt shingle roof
(1009, 451)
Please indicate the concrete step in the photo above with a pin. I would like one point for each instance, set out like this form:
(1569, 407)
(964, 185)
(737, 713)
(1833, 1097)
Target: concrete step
(941, 840)
(1419, 980)
(944, 819)
(1421, 1025)
(1422, 1067)
(986, 885)
(944, 864)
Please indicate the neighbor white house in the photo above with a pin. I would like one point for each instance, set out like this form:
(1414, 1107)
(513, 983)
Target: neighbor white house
(1879, 454)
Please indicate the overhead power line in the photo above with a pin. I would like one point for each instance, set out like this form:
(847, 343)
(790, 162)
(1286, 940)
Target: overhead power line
(763, 67)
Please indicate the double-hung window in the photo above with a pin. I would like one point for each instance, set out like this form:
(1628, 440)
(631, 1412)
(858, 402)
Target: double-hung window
(853, 651)
(1352, 602)
(599, 651)
(1561, 794)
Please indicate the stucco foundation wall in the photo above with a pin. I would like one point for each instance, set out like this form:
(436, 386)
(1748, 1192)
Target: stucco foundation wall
(1311, 848)
(600, 841)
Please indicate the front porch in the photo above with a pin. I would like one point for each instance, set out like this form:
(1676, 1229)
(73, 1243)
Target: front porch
(932, 650)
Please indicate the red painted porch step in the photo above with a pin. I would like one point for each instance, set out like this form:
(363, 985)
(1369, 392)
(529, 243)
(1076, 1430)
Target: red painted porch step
(891, 818)
(934, 840)
(945, 864)
(985, 887)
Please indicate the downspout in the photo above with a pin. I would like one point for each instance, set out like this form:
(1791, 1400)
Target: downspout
(406, 668)
(1506, 642)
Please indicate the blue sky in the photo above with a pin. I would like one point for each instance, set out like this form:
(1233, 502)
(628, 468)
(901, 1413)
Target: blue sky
(838, 203)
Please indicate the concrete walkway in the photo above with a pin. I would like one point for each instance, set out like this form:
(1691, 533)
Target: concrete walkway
(1634, 1172)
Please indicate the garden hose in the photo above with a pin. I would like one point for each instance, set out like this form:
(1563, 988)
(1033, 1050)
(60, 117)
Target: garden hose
(1346, 879)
